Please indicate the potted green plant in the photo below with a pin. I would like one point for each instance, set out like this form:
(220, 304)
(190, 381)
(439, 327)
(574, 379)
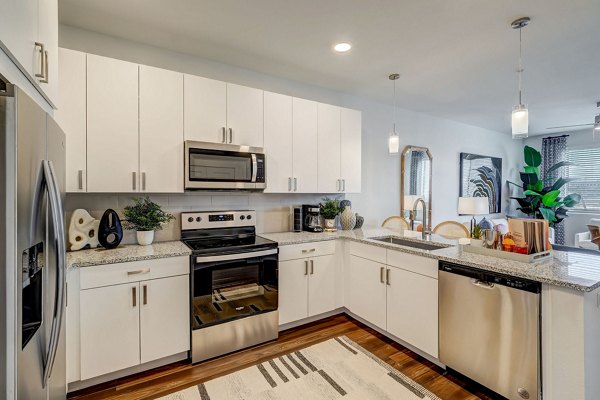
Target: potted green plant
(145, 216)
(330, 208)
(476, 237)
(542, 195)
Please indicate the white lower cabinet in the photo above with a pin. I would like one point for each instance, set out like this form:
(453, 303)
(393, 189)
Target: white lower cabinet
(412, 309)
(127, 314)
(365, 294)
(307, 287)
(110, 329)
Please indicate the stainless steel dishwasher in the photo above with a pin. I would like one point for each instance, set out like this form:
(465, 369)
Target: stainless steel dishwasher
(489, 328)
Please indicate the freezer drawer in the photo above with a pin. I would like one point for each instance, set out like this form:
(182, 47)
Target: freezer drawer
(490, 331)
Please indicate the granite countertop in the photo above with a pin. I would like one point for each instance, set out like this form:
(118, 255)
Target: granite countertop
(126, 253)
(573, 270)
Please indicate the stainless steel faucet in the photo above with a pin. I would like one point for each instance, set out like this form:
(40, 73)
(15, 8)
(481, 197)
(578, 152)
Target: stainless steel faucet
(425, 232)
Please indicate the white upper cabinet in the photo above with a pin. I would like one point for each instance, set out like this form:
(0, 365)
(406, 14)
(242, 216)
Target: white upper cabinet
(112, 121)
(205, 105)
(161, 130)
(329, 148)
(351, 127)
(71, 116)
(305, 139)
(26, 26)
(244, 116)
(278, 143)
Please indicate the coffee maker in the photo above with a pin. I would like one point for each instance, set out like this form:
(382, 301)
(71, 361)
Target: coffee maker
(312, 218)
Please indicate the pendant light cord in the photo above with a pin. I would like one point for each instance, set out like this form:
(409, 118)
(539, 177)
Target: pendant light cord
(394, 110)
(520, 65)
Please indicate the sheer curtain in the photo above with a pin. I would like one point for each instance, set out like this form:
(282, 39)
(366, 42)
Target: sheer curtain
(554, 150)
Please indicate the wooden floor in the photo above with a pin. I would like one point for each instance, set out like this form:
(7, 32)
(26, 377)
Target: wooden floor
(174, 377)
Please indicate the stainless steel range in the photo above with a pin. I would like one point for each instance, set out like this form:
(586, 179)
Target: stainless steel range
(234, 282)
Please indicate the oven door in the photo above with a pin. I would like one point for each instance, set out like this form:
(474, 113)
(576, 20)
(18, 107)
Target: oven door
(233, 286)
(223, 166)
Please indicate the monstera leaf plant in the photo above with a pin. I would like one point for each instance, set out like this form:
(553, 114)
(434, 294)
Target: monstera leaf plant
(542, 195)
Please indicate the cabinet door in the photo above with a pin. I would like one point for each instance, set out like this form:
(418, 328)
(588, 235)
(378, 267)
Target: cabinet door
(161, 130)
(293, 290)
(48, 35)
(19, 32)
(244, 115)
(321, 285)
(329, 148)
(205, 109)
(305, 170)
(110, 330)
(412, 309)
(112, 122)
(278, 142)
(351, 127)
(366, 292)
(164, 317)
(71, 116)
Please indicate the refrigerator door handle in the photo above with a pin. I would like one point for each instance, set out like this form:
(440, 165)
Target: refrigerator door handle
(57, 215)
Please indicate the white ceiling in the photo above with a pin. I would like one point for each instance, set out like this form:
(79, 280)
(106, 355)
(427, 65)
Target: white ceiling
(457, 58)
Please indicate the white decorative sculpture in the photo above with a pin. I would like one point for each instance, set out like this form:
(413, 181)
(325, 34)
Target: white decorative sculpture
(83, 230)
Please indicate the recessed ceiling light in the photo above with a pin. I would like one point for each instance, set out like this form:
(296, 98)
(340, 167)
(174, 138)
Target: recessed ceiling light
(342, 47)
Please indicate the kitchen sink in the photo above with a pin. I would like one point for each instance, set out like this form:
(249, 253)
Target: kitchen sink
(410, 243)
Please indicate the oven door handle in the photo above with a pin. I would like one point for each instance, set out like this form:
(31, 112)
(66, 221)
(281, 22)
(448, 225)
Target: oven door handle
(254, 167)
(237, 256)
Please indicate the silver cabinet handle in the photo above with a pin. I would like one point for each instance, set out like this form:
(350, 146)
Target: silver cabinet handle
(381, 278)
(295, 184)
(388, 277)
(289, 184)
(337, 185)
(143, 181)
(134, 296)
(309, 250)
(45, 63)
(134, 180)
(80, 179)
(312, 267)
(139, 271)
(305, 267)
(145, 295)
(224, 135)
(230, 135)
(343, 185)
(42, 60)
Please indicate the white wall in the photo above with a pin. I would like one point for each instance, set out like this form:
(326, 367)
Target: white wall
(577, 221)
(380, 171)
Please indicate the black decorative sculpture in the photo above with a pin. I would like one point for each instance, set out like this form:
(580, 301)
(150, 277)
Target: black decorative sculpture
(110, 231)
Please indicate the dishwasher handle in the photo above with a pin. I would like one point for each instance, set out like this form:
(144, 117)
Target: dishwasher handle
(482, 284)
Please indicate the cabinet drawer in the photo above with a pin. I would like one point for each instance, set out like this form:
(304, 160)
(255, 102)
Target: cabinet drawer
(370, 252)
(114, 274)
(312, 249)
(409, 262)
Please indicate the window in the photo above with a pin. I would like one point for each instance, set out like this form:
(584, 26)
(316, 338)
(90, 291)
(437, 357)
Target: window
(586, 175)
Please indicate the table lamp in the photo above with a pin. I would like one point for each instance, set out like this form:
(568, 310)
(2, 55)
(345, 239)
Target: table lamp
(473, 206)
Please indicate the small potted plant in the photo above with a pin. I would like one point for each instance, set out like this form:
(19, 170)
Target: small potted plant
(145, 216)
(476, 237)
(330, 208)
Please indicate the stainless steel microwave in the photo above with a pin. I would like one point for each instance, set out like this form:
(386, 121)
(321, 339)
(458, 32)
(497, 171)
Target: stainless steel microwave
(216, 166)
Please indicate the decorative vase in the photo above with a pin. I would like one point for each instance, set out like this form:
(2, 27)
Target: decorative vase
(110, 231)
(83, 230)
(144, 238)
(476, 242)
(359, 221)
(330, 225)
(347, 219)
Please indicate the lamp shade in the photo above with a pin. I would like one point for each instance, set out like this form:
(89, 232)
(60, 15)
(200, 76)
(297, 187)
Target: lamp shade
(520, 122)
(394, 144)
(410, 200)
(473, 206)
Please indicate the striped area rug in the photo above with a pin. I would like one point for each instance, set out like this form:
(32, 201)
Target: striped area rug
(337, 368)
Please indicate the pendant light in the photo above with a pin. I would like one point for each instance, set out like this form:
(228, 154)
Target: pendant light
(520, 114)
(597, 123)
(394, 139)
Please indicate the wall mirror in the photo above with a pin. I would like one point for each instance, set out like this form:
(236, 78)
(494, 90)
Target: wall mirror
(415, 184)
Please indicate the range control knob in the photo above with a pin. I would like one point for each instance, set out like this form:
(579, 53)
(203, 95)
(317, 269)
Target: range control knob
(249, 216)
(242, 217)
(190, 219)
(198, 219)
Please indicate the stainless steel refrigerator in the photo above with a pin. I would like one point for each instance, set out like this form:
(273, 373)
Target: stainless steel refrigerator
(32, 250)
